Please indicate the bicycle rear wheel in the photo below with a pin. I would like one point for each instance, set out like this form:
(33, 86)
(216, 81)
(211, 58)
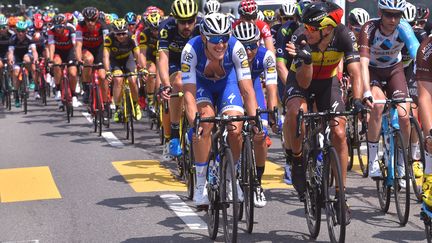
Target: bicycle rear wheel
(416, 182)
(313, 192)
(383, 190)
(334, 197)
(229, 201)
(247, 181)
(350, 134)
(401, 193)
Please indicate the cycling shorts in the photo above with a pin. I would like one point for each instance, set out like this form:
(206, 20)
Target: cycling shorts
(328, 93)
(223, 94)
(127, 65)
(391, 80)
(66, 56)
(97, 54)
(173, 68)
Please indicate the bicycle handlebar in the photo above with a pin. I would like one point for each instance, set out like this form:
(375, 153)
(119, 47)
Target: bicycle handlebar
(393, 101)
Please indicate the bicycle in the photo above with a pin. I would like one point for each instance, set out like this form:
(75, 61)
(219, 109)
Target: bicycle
(66, 94)
(6, 86)
(24, 87)
(220, 171)
(187, 160)
(426, 216)
(96, 106)
(128, 113)
(324, 184)
(44, 88)
(357, 141)
(390, 140)
(248, 175)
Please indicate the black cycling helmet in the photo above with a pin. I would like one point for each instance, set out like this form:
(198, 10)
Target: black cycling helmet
(90, 13)
(322, 14)
(59, 19)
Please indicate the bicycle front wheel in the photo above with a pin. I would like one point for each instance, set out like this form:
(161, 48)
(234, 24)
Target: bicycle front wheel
(361, 146)
(313, 195)
(229, 197)
(402, 178)
(334, 197)
(130, 117)
(248, 182)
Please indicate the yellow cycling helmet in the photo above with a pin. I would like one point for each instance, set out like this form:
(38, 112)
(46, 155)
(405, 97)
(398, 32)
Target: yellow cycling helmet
(269, 15)
(120, 25)
(153, 19)
(184, 9)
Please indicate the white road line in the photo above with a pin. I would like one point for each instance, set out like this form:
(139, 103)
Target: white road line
(184, 212)
(112, 139)
(22, 241)
(88, 117)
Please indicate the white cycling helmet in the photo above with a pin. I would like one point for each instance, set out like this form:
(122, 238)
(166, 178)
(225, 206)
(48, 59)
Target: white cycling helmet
(358, 16)
(398, 5)
(410, 13)
(215, 24)
(246, 32)
(288, 8)
(260, 15)
(212, 6)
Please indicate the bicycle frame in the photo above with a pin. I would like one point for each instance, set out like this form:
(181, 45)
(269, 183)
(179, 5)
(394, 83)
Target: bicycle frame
(389, 124)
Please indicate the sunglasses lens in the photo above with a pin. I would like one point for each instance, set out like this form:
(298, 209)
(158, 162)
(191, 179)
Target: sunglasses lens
(251, 46)
(218, 39)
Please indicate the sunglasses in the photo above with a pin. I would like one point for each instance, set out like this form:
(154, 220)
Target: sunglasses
(91, 20)
(390, 15)
(287, 18)
(250, 46)
(313, 28)
(120, 34)
(356, 28)
(250, 16)
(21, 31)
(184, 22)
(59, 26)
(218, 39)
(2, 27)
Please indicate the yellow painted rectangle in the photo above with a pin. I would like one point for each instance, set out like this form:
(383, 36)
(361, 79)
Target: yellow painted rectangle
(273, 176)
(148, 176)
(27, 184)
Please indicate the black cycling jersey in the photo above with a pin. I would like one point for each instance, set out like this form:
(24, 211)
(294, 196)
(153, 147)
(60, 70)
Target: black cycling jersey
(150, 43)
(20, 48)
(4, 43)
(119, 50)
(170, 39)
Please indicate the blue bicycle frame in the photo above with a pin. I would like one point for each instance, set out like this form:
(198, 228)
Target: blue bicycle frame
(387, 129)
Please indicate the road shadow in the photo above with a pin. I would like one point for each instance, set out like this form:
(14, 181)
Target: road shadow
(402, 236)
(126, 203)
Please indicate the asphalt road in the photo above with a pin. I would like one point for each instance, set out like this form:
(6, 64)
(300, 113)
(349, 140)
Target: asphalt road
(60, 182)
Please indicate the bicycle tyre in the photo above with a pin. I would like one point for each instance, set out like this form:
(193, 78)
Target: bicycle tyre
(187, 160)
(312, 196)
(94, 106)
(248, 182)
(383, 190)
(402, 195)
(332, 163)
(161, 127)
(99, 110)
(213, 209)
(361, 142)
(417, 184)
(24, 91)
(130, 118)
(350, 124)
(229, 220)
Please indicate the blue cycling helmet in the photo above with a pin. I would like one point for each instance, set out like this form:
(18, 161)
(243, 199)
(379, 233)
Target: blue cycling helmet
(131, 18)
(3, 20)
(21, 26)
(114, 16)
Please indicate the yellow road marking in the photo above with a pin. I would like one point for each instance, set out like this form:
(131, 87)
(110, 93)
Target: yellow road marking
(148, 176)
(273, 176)
(26, 184)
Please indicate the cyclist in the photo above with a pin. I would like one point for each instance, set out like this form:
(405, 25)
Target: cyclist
(148, 47)
(216, 76)
(119, 52)
(318, 49)
(269, 17)
(422, 18)
(410, 16)
(290, 22)
(286, 12)
(5, 35)
(39, 37)
(424, 79)
(248, 10)
(90, 35)
(381, 41)
(61, 41)
(21, 49)
(211, 6)
(131, 19)
(173, 35)
(261, 61)
(357, 17)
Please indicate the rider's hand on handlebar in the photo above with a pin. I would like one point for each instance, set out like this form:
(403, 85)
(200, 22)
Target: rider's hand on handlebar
(109, 76)
(165, 92)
